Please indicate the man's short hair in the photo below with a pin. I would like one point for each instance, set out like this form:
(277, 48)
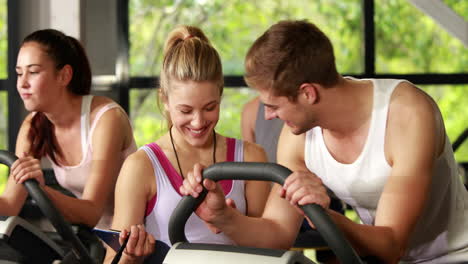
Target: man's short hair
(289, 54)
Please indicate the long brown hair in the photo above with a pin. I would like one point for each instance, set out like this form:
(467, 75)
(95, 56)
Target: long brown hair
(63, 50)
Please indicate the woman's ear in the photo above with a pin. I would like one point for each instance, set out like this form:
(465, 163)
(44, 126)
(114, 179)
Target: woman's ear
(65, 75)
(164, 99)
(310, 92)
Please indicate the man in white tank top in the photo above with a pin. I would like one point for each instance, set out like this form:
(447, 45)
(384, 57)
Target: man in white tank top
(379, 145)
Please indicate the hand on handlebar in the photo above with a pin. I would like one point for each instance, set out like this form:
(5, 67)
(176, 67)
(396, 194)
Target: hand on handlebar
(302, 188)
(25, 168)
(215, 203)
(140, 244)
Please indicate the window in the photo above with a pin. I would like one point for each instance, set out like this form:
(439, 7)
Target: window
(3, 40)
(459, 7)
(452, 102)
(147, 121)
(232, 26)
(409, 41)
(3, 136)
(3, 119)
(3, 93)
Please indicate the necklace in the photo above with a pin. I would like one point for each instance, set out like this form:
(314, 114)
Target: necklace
(177, 157)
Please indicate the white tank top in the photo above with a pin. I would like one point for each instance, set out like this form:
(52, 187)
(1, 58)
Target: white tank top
(168, 181)
(441, 235)
(74, 178)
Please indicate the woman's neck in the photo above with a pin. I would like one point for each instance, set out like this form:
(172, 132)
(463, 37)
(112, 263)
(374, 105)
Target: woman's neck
(65, 112)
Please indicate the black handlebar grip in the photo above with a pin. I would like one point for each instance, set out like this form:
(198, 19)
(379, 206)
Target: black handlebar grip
(50, 211)
(260, 172)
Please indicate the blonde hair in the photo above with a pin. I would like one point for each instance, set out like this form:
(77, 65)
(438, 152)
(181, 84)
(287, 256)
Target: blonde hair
(189, 56)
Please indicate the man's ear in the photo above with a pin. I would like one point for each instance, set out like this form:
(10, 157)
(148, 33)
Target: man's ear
(310, 92)
(65, 75)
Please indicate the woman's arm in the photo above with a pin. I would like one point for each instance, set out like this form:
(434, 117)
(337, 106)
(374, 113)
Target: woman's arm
(15, 194)
(256, 192)
(135, 187)
(13, 198)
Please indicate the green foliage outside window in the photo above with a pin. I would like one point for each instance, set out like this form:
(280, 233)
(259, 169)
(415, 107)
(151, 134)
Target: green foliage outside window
(3, 136)
(3, 39)
(231, 26)
(3, 95)
(407, 41)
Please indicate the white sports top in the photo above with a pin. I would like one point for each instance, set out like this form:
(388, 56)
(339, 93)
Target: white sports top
(168, 180)
(441, 235)
(74, 177)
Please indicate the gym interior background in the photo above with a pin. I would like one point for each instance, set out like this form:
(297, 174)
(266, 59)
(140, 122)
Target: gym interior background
(424, 41)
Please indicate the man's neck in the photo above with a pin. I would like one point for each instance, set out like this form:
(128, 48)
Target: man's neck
(349, 105)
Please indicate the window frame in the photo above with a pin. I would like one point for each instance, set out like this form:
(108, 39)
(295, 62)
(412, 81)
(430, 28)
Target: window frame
(122, 82)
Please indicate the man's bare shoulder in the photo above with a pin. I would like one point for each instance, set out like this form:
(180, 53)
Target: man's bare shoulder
(412, 109)
(408, 99)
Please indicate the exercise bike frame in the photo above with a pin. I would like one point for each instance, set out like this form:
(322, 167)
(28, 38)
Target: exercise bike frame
(63, 228)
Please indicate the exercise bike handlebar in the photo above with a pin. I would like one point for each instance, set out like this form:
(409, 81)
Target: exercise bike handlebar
(50, 211)
(260, 172)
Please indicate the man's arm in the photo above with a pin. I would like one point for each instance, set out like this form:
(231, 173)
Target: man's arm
(412, 144)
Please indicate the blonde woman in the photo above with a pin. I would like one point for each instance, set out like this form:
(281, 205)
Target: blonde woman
(148, 186)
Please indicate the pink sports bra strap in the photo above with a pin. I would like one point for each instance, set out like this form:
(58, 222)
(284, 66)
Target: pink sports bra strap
(175, 178)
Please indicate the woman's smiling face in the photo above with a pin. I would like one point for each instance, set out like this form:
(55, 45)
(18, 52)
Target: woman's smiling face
(193, 108)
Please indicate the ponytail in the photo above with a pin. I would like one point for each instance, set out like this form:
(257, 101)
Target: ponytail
(42, 138)
(189, 56)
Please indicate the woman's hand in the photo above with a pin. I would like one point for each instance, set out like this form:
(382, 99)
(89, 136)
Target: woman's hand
(212, 209)
(25, 168)
(140, 244)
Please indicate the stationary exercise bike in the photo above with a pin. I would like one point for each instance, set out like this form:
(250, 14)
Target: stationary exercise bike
(185, 252)
(22, 242)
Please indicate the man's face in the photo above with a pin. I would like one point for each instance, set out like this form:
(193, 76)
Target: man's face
(295, 115)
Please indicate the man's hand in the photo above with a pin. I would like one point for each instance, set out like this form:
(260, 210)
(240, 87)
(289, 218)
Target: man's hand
(302, 188)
